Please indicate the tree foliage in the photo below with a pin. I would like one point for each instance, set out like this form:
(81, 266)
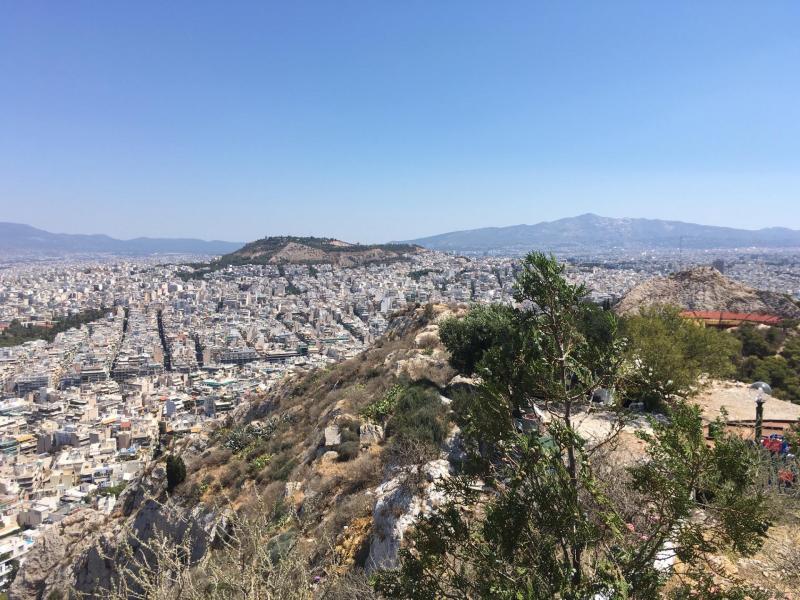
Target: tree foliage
(16, 333)
(670, 353)
(771, 354)
(543, 513)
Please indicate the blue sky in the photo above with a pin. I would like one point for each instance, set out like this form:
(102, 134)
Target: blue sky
(380, 120)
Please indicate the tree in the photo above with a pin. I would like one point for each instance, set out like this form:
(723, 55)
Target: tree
(176, 471)
(757, 342)
(543, 514)
(671, 353)
(468, 339)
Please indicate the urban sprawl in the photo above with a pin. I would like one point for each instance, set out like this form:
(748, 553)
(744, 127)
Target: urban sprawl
(170, 354)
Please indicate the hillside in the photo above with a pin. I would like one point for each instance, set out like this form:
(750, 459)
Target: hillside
(593, 232)
(706, 289)
(300, 250)
(18, 239)
(311, 466)
(320, 479)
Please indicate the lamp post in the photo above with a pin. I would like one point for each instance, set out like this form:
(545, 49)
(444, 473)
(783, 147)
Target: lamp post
(761, 388)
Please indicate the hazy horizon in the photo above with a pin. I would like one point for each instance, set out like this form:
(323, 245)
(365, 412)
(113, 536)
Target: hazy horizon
(371, 122)
(443, 231)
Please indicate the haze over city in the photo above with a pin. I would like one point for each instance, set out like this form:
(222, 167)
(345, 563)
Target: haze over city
(419, 300)
(371, 122)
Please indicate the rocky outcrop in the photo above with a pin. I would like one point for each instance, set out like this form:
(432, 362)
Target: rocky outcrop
(86, 551)
(54, 550)
(331, 459)
(706, 289)
(370, 433)
(399, 504)
(333, 437)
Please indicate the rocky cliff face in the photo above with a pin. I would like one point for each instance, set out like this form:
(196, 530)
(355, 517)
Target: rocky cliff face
(87, 550)
(705, 288)
(52, 556)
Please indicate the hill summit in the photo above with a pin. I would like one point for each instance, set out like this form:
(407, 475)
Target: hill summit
(706, 289)
(306, 250)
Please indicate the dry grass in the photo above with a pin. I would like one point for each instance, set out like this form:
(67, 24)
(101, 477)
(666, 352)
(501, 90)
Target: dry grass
(329, 496)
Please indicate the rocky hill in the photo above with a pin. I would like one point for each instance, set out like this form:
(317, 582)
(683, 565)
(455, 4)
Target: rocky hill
(705, 288)
(299, 250)
(318, 468)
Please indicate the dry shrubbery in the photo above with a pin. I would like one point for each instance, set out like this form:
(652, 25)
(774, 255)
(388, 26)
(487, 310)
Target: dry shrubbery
(279, 440)
(258, 557)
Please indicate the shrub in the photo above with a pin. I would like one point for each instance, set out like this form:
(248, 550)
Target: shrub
(240, 438)
(418, 416)
(232, 474)
(281, 466)
(380, 409)
(114, 490)
(348, 450)
(348, 436)
(362, 473)
(176, 471)
(259, 463)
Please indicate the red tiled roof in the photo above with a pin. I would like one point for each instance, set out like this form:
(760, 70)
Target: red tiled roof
(720, 316)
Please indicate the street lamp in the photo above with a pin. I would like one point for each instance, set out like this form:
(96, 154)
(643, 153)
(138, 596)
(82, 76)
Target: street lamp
(760, 388)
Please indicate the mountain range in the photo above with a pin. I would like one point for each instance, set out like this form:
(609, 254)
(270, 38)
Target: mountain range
(584, 233)
(593, 232)
(18, 239)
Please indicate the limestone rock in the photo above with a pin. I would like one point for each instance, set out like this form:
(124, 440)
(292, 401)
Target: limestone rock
(370, 433)
(333, 437)
(52, 548)
(397, 508)
(329, 456)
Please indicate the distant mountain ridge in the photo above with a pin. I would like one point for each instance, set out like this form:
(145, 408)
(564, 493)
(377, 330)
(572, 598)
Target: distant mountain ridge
(590, 231)
(16, 238)
(308, 250)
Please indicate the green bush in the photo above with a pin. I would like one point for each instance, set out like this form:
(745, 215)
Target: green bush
(759, 342)
(259, 463)
(670, 353)
(380, 409)
(771, 355)
(418, 416)
(114, 490)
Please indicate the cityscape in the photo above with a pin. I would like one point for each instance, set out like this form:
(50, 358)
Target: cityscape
(82, 415)
(399, 300)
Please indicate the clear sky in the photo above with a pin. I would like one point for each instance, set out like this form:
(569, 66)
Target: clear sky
(381, 120)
